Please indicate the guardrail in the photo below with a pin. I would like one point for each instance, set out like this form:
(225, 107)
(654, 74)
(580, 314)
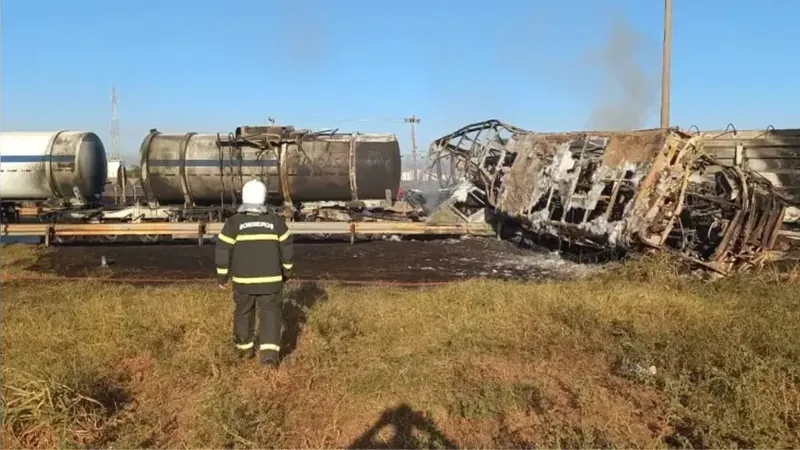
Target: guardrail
(201, 230)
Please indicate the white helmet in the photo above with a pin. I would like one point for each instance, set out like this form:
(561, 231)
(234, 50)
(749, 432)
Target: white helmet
(254, 192)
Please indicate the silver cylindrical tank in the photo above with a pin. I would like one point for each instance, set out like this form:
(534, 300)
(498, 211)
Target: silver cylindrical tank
(199, 169)
(55, 165)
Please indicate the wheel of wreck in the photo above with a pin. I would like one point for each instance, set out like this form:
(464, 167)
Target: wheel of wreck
(149, 238)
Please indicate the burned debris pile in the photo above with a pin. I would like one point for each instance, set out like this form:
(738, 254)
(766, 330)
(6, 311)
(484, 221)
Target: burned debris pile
(634, 190)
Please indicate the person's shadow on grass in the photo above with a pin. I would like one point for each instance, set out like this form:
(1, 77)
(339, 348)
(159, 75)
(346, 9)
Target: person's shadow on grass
(297, 304)
(411, 430)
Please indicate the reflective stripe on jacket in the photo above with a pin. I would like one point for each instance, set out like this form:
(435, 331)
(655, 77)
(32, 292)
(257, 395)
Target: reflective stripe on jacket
(254, 251)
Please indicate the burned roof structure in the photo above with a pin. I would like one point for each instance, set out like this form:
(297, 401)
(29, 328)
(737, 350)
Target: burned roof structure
(632, 190)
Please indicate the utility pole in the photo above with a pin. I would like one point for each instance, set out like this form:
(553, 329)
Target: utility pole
(1, 52)
(666, 64)
(413, 120)
(114, 125)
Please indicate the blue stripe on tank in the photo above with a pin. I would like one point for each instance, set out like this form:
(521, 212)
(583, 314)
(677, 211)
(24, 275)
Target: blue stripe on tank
(213, 163)
(22, 159)
(36, 158)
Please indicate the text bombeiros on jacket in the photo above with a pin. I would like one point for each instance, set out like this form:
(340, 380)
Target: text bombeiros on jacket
(254, 251)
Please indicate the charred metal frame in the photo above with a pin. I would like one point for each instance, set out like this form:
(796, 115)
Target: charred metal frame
(646, 188)
(772, 152)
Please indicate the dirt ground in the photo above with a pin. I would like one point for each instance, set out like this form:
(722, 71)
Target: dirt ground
(381, 260)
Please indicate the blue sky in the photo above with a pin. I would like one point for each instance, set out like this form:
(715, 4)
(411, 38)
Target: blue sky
(208, 66)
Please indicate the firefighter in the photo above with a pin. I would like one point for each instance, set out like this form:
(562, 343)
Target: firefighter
(254, 251)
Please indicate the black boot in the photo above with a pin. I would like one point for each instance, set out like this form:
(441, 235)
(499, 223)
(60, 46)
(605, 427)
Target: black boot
(247, 354)
(269, 362)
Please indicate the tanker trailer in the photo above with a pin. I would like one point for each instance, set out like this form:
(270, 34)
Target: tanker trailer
(296, 166)
(772, 153)
(68, 167)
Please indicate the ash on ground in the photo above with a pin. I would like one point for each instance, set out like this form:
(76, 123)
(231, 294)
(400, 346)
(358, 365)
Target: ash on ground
(545, 265)
(510, 261)
(421, 260)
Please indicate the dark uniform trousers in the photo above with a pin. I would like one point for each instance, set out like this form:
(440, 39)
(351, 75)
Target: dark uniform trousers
(270, 312)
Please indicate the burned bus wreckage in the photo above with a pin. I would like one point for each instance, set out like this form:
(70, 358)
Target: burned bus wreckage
(633, 190)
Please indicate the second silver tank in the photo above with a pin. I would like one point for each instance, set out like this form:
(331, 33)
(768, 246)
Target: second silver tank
(202, 169)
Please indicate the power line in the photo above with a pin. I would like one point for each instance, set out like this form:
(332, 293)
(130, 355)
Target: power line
(320, 118)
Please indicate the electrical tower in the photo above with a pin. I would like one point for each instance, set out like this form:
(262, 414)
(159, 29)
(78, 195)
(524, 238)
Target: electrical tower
(413, 120)
(114, 125)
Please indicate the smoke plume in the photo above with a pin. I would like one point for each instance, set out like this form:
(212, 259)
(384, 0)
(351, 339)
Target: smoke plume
(629, 92)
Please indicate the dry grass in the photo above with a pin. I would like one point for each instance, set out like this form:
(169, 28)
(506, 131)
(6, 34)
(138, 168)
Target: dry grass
(489, 364)
(15, 259)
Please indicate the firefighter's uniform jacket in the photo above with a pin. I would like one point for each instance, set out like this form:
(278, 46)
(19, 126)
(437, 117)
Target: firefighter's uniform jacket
(254, 251)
